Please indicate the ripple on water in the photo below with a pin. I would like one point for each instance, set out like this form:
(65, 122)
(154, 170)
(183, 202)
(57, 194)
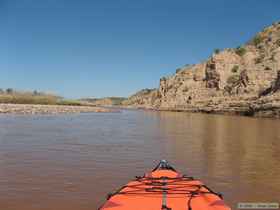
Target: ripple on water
(73, 161)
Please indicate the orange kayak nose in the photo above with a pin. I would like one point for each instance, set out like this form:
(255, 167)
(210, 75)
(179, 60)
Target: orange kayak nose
(164, 189)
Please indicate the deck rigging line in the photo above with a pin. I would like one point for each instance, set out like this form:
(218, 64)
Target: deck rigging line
(164, 186)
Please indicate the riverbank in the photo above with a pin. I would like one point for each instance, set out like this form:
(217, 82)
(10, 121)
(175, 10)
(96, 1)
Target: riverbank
(27, 109)
(264, 107)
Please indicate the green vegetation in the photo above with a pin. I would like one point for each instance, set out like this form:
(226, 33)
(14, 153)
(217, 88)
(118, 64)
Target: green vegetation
(257, 40)
(25, 98)
(278, 42)
(217, 51)
(235, 69)
(19, 97)
(233, 79)
(240, 51)
(69, 102)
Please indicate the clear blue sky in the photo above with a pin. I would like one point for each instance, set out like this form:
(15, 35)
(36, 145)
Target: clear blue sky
(80, 48)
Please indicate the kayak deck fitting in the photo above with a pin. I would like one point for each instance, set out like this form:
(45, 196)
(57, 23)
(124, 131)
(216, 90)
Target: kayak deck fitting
(164, 189)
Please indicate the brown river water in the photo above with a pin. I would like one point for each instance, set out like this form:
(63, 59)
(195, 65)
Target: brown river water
(71, 162)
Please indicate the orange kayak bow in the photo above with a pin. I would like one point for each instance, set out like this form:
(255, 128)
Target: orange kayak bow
(164, 189)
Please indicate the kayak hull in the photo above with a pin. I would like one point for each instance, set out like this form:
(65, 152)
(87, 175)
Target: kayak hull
(164, 189)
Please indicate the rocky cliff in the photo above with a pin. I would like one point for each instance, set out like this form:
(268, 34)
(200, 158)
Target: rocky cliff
(145, 98)
(244, 80)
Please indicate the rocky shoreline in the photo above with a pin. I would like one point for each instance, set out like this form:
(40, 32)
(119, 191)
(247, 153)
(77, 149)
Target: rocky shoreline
(265, 107)
(31, 109)
(268, 107)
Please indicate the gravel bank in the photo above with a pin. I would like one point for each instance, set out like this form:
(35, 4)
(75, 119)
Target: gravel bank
(47, 109)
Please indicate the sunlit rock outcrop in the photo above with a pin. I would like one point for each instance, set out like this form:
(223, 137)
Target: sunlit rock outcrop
(244, 80)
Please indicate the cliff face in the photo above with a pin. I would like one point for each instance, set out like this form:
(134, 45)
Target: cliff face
(146, 98)
(244, 80)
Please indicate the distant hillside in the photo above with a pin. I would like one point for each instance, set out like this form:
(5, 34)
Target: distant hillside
(244, 80)
(108, 101)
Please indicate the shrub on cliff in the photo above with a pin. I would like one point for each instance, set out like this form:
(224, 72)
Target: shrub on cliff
(240, 51)
(234, 68)
(217, 51)
(257, 40)
(233, 79)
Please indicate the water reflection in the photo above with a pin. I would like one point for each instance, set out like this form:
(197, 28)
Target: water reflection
(72, 162)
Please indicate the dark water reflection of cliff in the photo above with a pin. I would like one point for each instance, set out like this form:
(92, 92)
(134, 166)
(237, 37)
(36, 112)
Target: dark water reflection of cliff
(72, 162)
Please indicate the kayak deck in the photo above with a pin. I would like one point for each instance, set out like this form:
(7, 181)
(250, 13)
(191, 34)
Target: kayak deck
(164, 189)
